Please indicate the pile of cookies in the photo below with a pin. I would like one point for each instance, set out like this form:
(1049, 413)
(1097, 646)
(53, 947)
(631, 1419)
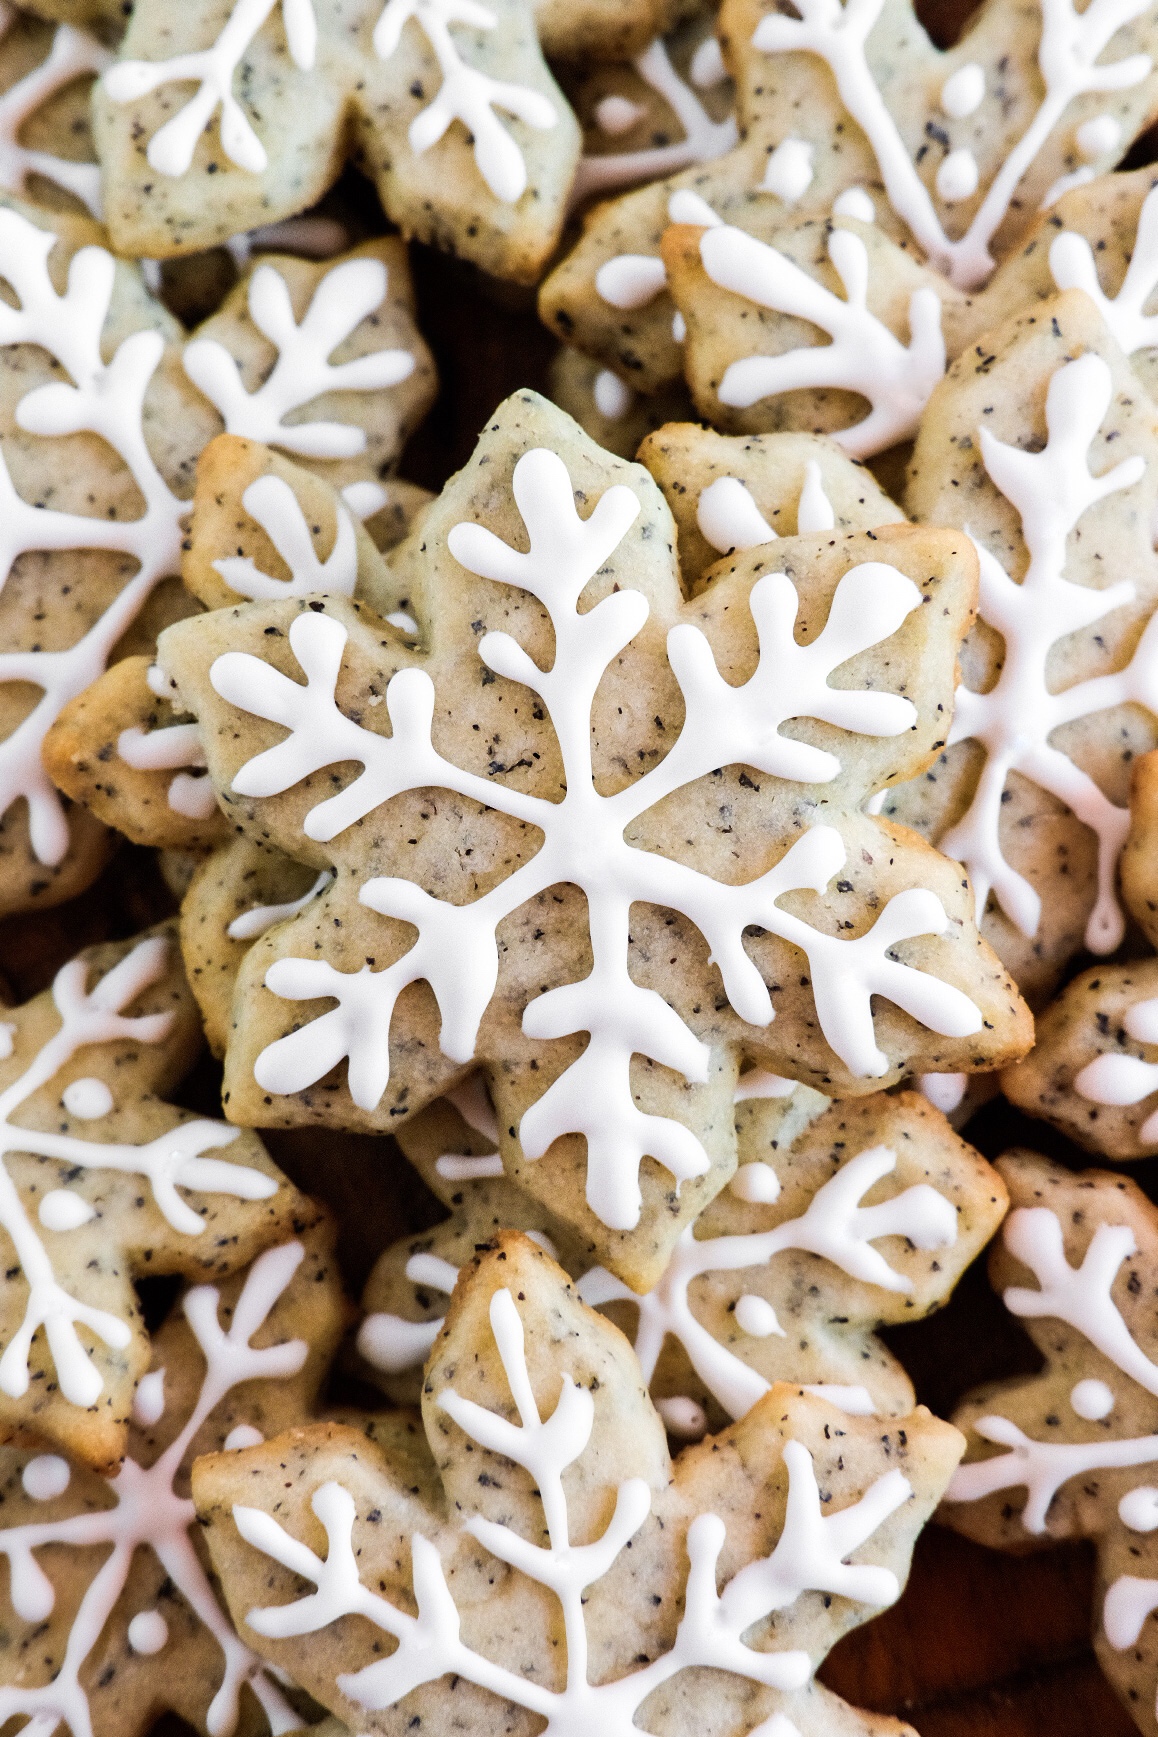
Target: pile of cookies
(670, 838)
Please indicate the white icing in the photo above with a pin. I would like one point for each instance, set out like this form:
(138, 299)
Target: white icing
(45, 1477)
(404, 622)
(1071, 263)
(810, 1554)
(170, 150)
(462, 1167)
(72, 54)
(957, 177)
(856, 203)
(583, 838)
(1051, 490)
(472, 1101)
(1128, 1602)
(149, 1399)
(963, 91)
(864, 356)
(191, 794)
(272, 504)
(1138, 1509)
(856, 1401)
(946, 1092)
(7, 1037)
(62, 1210)
(392, 1344)
(243, 1435)
(682, 1417)
(348, 294)
(1040, 1467)
(704, 139)
(1098, 136)
(1092, 1399)
(1069, 60)
(365, 498)
(756, 1183)
(615, 114)
(759, 1083)
(173, 1160)
(89, 1099)
(728, 517)
(147, 1512)
(788, 171)
(1126, 1079)
(630, 280)
(260, 918)
(613, 397)
(814, 510)
(679, 328)
(756, 1317)
(684, 206)
(1065, 184)
(147, 1632)
(173, 745)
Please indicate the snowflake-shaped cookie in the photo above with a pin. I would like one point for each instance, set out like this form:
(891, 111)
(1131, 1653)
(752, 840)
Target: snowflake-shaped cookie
(103, 410)
(229, 113)
(111, 1616)
(102, 1182)
(840, 1218)
(550, 1554)
(847, 109)
(1044, 446)
(1071, 1452)
(612, 792)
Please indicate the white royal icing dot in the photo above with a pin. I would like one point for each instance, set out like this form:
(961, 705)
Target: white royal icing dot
(45, 1477)
(1095, 137)
(957, 176)
(149, 1399)
(243, 1435)
(148, 1632)
(61, 1209)
(756, 1183)
(855, 202)
(88, 1099)
(630, 280)
(1138, 1509)
(962, 91)
(1092, 1399)
(944, 1091)
(756, 1317)
(789, 170)
(617, 114)
(613, 397)
(707, 67)
(683, 1417)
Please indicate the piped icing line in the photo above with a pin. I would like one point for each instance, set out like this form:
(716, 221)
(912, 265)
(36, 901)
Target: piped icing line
(1068, 58)
(1071, 264)
(864, 357)
(148, 1513)
(1126, 1079)
(165, 750)
(835, 1227)
(704, 139)
(260, 918)
(173, 1160)
(810, 1554)
(584, 842)
(272, 504)
(72, 54)
(1013, 721)
(728, 518)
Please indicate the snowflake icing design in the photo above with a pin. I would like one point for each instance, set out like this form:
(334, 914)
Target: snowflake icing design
(810, 1554)
(146, 1512)
(583, 839)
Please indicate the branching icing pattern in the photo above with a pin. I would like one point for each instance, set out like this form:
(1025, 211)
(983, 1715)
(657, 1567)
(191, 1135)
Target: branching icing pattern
(73, 54)
(174, 1160)
(809, 1555)
(1068, 58)
(148, 1513)
(1014, 720)
(583, 838)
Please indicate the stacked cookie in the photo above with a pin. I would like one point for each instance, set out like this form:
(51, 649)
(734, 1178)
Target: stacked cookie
(651, 836)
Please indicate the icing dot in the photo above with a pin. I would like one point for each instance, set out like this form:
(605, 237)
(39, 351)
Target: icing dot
(243, 1436)
(1092, 1400)
(149, 1399)
(1138, 1509)
(45, 1477)
(616, 114)
(944, 1091)
(957, 176)
(756, 1183)
(148, 1632)
(756, 1317)
(679, 328)
(707, 67)
(158, 682)
(191, 794)
(1097, 136)
(1141, 1021)
(366, 498)
(61, 1209)
(963, 91)
(88, 1099)
(789, 169)
(405, 623)
(683, 1417)
(855, 202)
(613, 397)
(630, 280)
(7, 1035)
